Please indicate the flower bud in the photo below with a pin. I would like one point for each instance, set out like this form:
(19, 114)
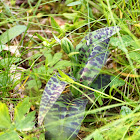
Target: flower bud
(67, 45)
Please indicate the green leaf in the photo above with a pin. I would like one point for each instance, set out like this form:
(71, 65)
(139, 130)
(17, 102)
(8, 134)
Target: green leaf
(49, 58)
(91, 14)
(2, 47)
(65, 77)
(125, 110)
(72, 53)
(70, 16)
(122, 43)
(115, 82)
(114, 41)
(21, 109)
(6, 62)
(116, 131)
(76, 25)
(52, 91)
(12, 33)
(56, 58)
(66, 45)
(98, 98)
(62, 64)
(54, 61)
(55, 25)
(46, 51)
(135, 44)
(7, 10)
(5, 121)
(40, 37)
(22, 122)
(123, 48)
(135, 56)
(6, 80)
(98, 135)
(74, 3)
(65, 117)
(9, 135)
(26, 123)
(34, 138)
(34, 84)
(125, 39)
(42, 136)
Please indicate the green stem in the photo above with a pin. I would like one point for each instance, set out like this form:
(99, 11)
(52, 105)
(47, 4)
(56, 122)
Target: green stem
(110, 97)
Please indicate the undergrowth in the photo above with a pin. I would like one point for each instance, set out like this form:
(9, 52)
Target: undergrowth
(35, 49)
